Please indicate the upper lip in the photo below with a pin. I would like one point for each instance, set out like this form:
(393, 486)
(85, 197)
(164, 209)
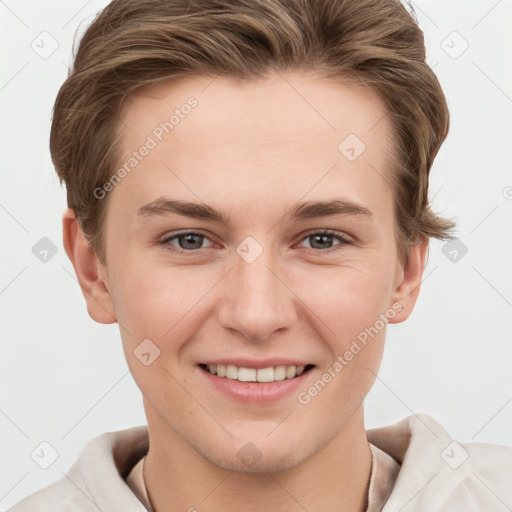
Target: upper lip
(253, 363)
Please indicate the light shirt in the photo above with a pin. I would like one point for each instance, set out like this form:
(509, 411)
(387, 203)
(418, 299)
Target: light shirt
(416, 467)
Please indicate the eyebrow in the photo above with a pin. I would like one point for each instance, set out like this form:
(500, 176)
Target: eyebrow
(302, 211)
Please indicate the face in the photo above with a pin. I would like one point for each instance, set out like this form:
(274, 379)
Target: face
(256, 280)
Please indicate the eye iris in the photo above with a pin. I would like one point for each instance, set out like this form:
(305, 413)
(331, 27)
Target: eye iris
(187, 237)
(323, 237)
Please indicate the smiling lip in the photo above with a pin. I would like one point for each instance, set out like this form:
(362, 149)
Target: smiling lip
(256, 392)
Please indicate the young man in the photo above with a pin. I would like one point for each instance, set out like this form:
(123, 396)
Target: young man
(248, 199)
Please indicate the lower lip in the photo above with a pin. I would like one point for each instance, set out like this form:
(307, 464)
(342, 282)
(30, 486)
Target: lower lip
(256, 392)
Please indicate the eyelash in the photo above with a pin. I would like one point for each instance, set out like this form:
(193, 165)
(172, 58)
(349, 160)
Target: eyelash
(343, 239)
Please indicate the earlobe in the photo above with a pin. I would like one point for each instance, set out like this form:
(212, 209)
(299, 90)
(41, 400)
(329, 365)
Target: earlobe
(89, 270)
(407, 290)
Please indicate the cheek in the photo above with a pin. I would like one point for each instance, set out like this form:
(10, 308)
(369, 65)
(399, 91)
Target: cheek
(155, 312)
(355, 341)
(342, 384)
(350, 298)
(353, 306)
(160, 303)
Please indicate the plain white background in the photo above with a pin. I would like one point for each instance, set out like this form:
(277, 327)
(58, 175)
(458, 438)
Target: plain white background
(64, 377)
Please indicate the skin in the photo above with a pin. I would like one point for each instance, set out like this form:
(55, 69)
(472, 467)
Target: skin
(252, 150)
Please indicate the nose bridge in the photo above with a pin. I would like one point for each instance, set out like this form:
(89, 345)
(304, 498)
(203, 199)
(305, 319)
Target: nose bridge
(260, 303)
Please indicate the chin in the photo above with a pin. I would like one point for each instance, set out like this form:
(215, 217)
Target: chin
(261, 456)
(271, 463)
(261, 447)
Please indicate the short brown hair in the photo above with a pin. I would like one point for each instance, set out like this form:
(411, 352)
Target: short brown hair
(134, 44)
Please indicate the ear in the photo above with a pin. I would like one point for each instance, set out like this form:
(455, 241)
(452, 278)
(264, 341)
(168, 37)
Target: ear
(408, 283)
(90, 272)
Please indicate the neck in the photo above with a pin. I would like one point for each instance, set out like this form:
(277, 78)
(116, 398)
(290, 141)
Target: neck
(336, 478)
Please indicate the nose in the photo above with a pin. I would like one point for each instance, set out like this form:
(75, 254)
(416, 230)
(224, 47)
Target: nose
(257, 301)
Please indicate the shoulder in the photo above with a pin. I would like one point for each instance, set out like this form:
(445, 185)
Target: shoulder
(61, 496)
(96, 481)
(440, 474)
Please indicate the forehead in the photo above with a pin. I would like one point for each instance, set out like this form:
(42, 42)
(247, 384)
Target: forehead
(288, 135)
(277, 104)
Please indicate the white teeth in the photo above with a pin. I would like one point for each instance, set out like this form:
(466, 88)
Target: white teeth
(247, 374)
(270, 374)
(280, 373)
(291, 371)
(231, 372)
(265, 375)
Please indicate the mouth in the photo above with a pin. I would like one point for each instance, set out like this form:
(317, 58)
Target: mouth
(258, 375)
